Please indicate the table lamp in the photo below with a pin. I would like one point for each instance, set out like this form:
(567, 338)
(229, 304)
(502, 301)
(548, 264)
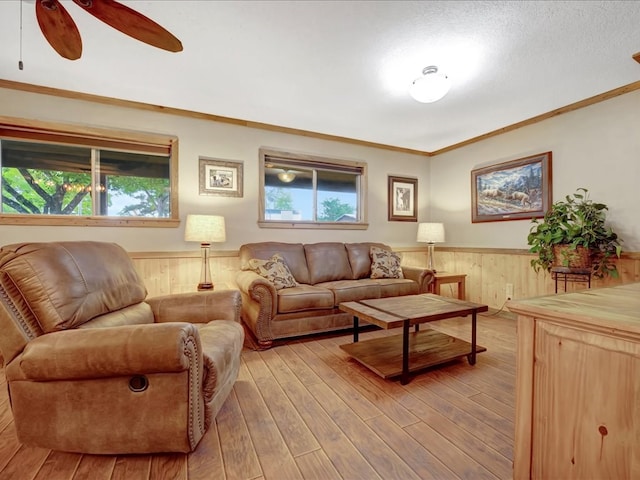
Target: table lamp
(431, 233)
(205, 229)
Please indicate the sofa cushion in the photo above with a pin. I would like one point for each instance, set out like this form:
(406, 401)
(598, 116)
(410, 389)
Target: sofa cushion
(385, 264)
(327, 261)
(360, 257)
(275, 270)
(304, 297)
(394, 287)
(132, 315)
(292, 253)
(352, 290)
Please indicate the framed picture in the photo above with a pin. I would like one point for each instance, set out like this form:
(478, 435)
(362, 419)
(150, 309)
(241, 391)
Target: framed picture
(220, 177)
(403, 199)
(513, 190)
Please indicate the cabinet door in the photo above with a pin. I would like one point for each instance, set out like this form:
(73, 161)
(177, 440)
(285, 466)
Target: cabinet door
(586, 405)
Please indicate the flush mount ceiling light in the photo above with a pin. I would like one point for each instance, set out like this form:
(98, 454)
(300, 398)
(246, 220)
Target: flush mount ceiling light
(431, 86)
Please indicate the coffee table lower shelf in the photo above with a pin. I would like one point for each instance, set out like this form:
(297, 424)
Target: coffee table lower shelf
(427, 348)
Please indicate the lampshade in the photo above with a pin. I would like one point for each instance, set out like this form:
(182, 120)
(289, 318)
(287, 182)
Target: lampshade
(287, 176)
(431, 86)
(430, 232)
(205, 229)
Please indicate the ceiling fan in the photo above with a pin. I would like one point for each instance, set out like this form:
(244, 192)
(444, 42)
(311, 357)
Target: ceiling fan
(62, 33)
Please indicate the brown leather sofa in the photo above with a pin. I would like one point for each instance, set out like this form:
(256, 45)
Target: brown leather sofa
(93, 367)
(325, 275)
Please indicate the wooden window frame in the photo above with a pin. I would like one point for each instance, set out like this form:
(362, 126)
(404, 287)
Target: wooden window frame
(313, 162)
(94, 137)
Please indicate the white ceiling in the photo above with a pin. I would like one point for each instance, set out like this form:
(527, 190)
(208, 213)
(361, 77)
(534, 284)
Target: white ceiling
(343, 67)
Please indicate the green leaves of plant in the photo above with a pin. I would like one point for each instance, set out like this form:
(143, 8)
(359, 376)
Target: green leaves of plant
(576, 221)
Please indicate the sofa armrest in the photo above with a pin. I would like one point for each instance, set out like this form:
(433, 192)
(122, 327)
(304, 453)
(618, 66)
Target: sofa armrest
(107, 352)
(197, 307)
(423, 276)
(260, 290)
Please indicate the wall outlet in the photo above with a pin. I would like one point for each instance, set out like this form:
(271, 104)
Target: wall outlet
(509, 291)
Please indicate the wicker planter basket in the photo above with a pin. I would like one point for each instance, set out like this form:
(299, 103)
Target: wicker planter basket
(567, 256)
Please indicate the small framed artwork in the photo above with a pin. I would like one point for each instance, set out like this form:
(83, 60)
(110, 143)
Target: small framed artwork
(514, 190)
(220, 177)
(403, 199)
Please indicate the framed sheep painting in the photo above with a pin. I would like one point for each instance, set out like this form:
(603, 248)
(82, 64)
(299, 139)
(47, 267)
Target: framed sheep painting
(514, 190)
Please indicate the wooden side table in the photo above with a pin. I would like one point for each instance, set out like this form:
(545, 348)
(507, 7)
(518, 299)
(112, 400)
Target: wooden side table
(445, 277)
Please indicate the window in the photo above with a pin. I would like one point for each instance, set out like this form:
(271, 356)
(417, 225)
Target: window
(306, 191)
(54, 176)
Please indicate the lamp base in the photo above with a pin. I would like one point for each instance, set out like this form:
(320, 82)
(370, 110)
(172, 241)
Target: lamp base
(430, 257)
(205, 272)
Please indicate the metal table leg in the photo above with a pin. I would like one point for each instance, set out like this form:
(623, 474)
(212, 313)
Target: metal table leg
(472, 355)
(405, 352)
(355, 329)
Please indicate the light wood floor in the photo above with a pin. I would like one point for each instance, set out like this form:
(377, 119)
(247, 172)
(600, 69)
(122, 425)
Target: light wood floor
(305, 410)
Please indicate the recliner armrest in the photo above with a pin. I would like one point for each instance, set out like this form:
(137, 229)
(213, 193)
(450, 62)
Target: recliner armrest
(107, 352)
(197, 307)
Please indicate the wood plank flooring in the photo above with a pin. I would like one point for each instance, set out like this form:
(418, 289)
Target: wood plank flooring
(305, 410)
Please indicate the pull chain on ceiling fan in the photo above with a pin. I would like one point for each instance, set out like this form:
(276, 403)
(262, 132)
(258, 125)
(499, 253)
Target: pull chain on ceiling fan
(61, 32)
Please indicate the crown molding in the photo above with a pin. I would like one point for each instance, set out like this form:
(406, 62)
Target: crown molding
(57, 92)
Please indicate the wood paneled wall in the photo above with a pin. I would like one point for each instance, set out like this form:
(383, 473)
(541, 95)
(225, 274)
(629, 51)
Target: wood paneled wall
(488, 271)
(165, 273)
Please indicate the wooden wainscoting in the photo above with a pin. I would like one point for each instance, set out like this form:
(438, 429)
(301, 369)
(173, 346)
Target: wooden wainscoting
(166, 273)
(488, 271)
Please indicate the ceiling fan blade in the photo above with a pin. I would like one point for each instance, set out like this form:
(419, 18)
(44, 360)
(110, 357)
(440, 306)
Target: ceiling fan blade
(59, 28)
(131, 23)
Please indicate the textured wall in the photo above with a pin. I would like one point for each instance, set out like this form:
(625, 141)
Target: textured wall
(220, 140)
(597, 147)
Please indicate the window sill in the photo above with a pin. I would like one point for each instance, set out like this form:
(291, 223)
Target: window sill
(79, 221)
(315, 225)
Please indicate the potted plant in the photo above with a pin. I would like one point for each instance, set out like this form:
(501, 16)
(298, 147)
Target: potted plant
(573, 234)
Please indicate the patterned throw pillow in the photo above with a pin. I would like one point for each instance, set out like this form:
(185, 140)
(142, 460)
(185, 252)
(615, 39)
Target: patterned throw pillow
(385, 263)
(275, 270)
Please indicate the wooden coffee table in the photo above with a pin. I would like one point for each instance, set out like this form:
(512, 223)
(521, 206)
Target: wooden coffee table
(400, 355)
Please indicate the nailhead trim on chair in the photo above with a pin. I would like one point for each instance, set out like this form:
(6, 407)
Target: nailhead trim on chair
(192, 353)
(15, 314)
(262, 325)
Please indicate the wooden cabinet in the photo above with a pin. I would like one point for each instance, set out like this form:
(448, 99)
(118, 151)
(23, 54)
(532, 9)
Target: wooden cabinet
(578, 385)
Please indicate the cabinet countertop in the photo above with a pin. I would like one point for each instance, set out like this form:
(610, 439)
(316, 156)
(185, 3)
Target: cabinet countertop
(616, 308)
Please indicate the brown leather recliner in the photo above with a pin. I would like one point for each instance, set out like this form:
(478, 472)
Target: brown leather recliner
(93, 367)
